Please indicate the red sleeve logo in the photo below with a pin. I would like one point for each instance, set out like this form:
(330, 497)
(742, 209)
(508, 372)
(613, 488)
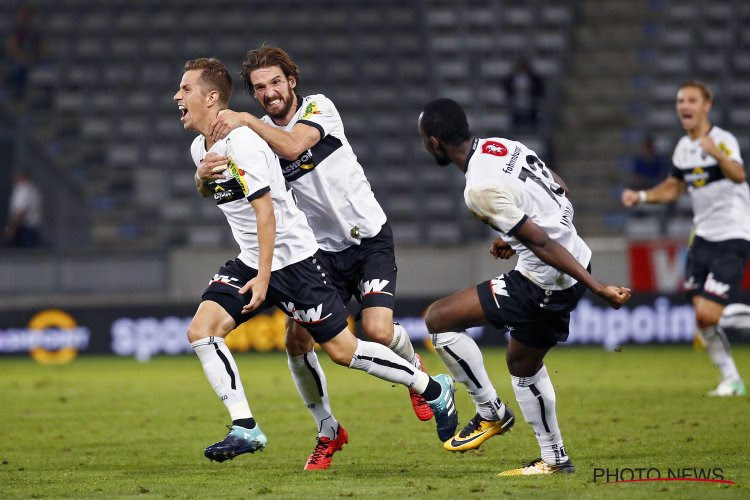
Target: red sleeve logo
(494, 148)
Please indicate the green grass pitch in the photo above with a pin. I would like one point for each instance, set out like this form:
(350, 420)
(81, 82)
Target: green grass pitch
(113, 427)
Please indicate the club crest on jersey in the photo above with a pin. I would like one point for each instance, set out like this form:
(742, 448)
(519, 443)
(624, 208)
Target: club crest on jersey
(305, 316)
(311, 109)
(494, 148)
(373, 286)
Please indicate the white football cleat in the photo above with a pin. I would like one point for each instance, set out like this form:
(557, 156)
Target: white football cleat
(735, 387)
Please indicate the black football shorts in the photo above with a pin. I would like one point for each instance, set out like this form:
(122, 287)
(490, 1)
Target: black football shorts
(303, 291)
(714, 269)
(534, 316)
(366, 271)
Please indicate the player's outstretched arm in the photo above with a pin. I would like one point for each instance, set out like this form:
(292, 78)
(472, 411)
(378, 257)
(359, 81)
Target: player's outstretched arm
(554, 254)
(288, 145)
(666, 191)
(258, 286)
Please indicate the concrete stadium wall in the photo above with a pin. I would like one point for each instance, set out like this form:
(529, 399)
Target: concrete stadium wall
(422, 272)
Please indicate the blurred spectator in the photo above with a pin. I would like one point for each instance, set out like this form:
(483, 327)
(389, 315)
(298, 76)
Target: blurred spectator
(23, 47)
(524, 89)
(24, 213)
(648, 166)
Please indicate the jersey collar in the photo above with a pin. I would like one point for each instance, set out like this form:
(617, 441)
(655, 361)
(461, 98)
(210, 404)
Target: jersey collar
(471, 153)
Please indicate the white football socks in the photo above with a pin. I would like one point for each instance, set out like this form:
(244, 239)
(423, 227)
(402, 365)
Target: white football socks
(735, 317)
(378, 360)
(312, 387)
(221, 372)
(401, 345)
(717, 347)
(536, 397)
(462, 357)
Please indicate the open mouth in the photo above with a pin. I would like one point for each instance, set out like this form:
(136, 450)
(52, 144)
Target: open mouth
(183, 111)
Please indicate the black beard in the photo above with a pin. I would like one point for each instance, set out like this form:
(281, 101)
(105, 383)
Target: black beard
(281, 114)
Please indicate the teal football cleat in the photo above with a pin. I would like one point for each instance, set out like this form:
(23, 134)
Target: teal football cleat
(446, 415)
(239, 440)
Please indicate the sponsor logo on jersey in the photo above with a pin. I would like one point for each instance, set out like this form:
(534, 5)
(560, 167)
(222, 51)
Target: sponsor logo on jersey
(311, 109)
(310, 159)
(239, 175)
(513, 159)
(724, 149)
(373, 286)
(305, 316)
(226, 190)
(494, 148)
(700, 176)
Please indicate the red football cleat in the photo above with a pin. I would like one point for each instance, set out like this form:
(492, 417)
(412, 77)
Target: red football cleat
(324, 450)
(421, 409)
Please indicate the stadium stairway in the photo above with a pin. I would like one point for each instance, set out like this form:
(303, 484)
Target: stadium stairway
(596, 93)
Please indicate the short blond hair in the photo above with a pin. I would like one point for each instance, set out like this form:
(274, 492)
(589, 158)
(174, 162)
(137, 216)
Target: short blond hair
(705, 91)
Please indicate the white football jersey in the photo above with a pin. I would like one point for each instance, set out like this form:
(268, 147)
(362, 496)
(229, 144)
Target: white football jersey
(721, 207)
(506, 183)
(328, 181)
(253, 171)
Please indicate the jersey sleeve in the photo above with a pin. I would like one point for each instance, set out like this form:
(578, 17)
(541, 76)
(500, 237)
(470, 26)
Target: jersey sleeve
(321, 114)
(249, 165)
(496, 207)
(195, 151)
(730, 147)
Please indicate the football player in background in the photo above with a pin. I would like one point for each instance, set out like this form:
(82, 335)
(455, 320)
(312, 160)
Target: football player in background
(350, 226)
(278, 264)
(509, 188)
(708, 163)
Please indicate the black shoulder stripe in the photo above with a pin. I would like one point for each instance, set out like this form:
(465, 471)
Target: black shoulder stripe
(259, 193)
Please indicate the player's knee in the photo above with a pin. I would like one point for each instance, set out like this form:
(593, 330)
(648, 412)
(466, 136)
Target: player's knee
(435, 319)
(340, 357)
(520, 364)
(195, 333)
(377, 330)
(298, 341)
(705, 318)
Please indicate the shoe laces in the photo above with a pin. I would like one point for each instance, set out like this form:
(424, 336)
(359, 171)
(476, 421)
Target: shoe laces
(472, 426)
(533, 463)
(320, 450)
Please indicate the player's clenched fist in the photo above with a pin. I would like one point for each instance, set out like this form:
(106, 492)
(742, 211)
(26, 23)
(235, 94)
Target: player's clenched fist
(501, 249)
(629, 197)
(212, 167)
(615, 296)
